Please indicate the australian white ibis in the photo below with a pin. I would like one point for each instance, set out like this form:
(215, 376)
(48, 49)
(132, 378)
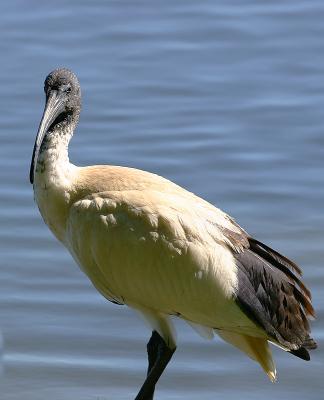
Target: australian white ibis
(150, 244)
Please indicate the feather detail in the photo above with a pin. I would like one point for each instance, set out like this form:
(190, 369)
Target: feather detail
(272, 294)
(256, 348)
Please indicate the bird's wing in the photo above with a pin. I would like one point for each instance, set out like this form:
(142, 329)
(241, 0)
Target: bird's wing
(270, 290)
(140, 238)
(186, 238)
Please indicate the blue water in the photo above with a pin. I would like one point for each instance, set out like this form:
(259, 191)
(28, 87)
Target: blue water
(224, 97)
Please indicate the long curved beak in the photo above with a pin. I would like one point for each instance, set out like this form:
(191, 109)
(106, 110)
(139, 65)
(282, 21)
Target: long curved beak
(53, 108)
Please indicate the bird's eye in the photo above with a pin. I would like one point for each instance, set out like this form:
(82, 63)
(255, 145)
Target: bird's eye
(65, 88)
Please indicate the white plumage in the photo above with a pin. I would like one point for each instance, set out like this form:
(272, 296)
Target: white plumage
(156, 247)
(148, 243)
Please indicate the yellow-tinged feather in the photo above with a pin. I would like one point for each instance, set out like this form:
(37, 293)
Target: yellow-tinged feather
(148, 243)
(256, 348)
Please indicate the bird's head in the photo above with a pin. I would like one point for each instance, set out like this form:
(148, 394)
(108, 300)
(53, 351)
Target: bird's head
(63, 92)
(62, 108)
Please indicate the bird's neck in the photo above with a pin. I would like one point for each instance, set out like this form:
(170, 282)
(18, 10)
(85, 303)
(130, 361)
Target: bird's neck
(53, 166)
(53, 183)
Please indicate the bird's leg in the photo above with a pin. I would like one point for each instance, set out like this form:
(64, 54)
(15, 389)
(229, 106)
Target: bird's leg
(152, 354)
(159, 355)
(152, 350)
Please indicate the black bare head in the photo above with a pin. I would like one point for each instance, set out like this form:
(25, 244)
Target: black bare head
(65, 83)
(62, 108)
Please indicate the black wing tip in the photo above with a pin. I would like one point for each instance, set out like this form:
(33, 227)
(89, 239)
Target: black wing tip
(285, 260)
(263, 295)
(284, 264)
(301, 353)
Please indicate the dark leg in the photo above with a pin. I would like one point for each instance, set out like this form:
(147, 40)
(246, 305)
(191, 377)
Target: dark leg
(159, 354)
(152, 350)
(152, 355)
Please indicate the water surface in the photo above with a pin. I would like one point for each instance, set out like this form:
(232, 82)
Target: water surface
(226, 98)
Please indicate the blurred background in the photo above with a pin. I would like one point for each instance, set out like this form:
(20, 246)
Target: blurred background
(224, 97)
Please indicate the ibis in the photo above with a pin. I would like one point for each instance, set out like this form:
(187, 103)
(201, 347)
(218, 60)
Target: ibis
(152, 245)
